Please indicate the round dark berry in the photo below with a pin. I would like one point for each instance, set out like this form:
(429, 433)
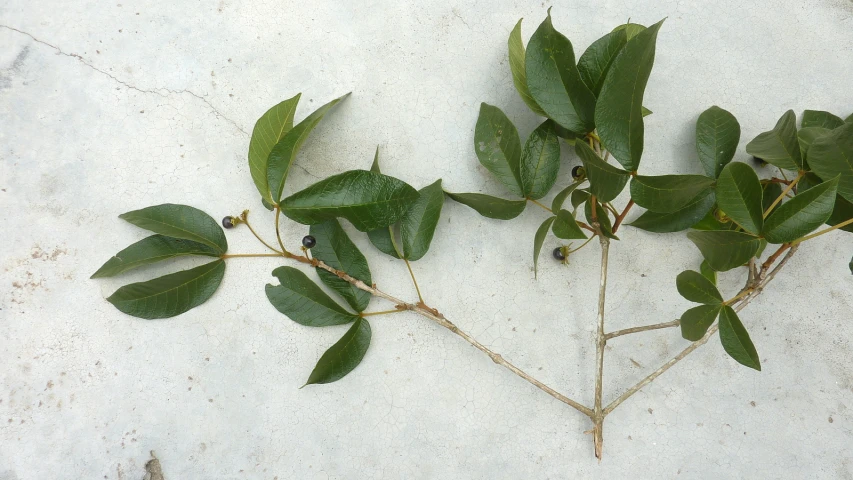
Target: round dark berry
(558, 254)
(759, 161)
(578, 172)
(228, 222)
(308, 241)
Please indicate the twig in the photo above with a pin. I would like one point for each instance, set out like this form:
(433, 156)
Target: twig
(412, 274)
(621, 216)
(784, 193)
(537, 203)
(825, 230)
(711, 331)
(245, 218)
(644, 328)
(277, 231)
(600, 341)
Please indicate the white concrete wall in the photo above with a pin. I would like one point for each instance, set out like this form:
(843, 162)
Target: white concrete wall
(106, 107)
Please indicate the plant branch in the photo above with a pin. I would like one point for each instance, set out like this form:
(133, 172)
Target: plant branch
(412, 274)
(711, 331)
(825, 230)
(245, 218)
(537, 203)
(277, 231)
(784, 193)
(644, 328)
(246, 255)
(621, 216)
(437, 317)
(600, 341)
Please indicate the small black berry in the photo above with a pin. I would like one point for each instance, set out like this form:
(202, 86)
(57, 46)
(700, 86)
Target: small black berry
(558, 254)
(578, 172)
(308, 241)
(228, 222)
(759, 161)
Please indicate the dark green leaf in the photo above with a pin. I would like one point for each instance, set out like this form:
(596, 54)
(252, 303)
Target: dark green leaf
(180, 221)
(819, 118)
(725, 250)
(368, 200)
(578, 197)
(842, 212)
(603, 219)
(631, 29)
(771, 191)
(336, 250)
(303, 301)
(268, 131)
(712, 221)
(566, 227)
(540, 161)
(618, 113)
(489, 206)
(267, 204)
(539, 239)
(695, 287)
(151, 250)
(832, 155)
(342, 357)
(596, 60)
(171, 294)
(561, 197)
(498, 147)
(284, 152)
(681, 219)
(708, 272)
(717, 137)
(554, 81)
(667, 193)
(740, 197)
(516, 65)
(696, 321)
(418, 225)
(381, 238)
(807, 135)
(606, 182)
(736, 341)
(801, 214)
(779, 146)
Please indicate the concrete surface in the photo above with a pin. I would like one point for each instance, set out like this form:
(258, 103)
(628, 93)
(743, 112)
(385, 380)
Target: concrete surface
(106, 107)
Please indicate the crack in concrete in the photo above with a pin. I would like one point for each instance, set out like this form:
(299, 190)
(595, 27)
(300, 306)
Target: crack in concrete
(157, 91)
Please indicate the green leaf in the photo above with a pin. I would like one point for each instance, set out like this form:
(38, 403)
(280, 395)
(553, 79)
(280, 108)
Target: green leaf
(303, 301)
(336, 250)
(819, 118)
(725, 249)
(489, 206)
(711, 221)
(832, 155)
(578, 197)
(498, 147)
(603, 219)
(717, 137)
(284, 152)
(180, 221)
(375, 166)
(381, 238)
(801, 214)
(849, 119)
(619, 113)
(540, 161)
(695, 287)
(418, 225)
(842, 212)
(554, 81)
(708, 272)
(342, 357)
(598, 57)
(538, 240)
(368, 200)
(806, 136)
(150, 250)
(667, 193)
(566, 227)
(740, 197)
(771, 191)
(268, 131)
(171, 294)
(606, 182)
(516, 65)
(736, 341)
(631, 29)
(779, 146)
(646, 111)
(696, 321)
(681, 219)
(561, 197)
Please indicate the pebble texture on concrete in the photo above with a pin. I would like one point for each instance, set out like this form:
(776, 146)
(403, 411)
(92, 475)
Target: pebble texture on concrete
(107, 107)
